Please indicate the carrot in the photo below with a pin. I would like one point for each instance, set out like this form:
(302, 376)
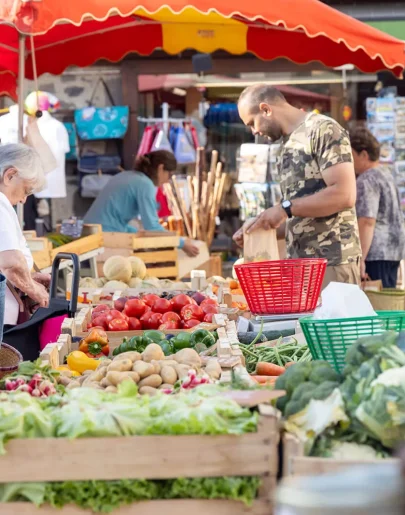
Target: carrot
(269, 369)
(264, 379)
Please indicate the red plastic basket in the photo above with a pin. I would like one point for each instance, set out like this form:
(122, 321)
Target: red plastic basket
(286, 286)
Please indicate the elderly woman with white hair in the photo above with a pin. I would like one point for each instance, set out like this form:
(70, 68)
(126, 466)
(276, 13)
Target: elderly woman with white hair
(21, 174)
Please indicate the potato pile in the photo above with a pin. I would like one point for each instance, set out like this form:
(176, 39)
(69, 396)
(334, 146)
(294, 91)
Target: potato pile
(151, 370)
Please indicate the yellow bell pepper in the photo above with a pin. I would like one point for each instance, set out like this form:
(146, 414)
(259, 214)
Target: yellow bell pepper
(79, 362)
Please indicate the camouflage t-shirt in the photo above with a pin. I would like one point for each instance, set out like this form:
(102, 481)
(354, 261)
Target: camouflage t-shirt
(317, 144)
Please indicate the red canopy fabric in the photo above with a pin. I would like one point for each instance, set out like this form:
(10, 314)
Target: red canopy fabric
(80, 32)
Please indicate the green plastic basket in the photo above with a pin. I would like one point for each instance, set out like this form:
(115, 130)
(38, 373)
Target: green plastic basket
(330, 339)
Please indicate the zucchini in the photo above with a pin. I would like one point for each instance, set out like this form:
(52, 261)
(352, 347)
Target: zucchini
(267, 336)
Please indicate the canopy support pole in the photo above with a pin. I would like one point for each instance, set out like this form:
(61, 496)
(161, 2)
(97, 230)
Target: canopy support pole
(21, 76)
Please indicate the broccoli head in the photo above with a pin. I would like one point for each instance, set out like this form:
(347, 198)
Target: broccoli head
(322, 391)
(296, 375)
(323, 373)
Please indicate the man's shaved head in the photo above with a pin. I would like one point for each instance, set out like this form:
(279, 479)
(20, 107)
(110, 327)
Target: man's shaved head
(259, 93)
(258, 107)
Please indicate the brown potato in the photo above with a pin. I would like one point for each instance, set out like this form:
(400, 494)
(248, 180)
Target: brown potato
(153, 352)
(116, 378)
(105, 383)
(156, 366)
(104, 363)
(154, 380)
(143, 369)
(169, 375)
(169, 362)
(166, 386)
(148, 390)
(73, 384)
(64, 380)
(111, 389)
(121, 365)
(132, 355)
(182, 370)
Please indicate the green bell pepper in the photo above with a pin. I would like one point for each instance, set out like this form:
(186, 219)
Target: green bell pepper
(166, 347)
(155, 336)
(181, 341)
(202, 336)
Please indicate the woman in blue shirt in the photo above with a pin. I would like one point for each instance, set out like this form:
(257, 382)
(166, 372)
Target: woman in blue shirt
(132, 194)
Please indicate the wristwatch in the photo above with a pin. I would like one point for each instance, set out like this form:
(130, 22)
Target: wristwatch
(286, 205)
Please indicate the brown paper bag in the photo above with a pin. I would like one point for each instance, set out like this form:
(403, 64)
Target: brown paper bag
(260, 245)
(34, 139)
(369, 285)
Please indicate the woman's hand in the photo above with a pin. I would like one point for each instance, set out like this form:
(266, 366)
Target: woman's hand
(40, 295)
(190, 248)
(44, 279)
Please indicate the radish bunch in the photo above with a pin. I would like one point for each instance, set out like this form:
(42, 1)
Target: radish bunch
(37, 386)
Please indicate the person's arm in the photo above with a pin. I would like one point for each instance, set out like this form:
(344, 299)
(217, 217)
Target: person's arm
(13, 266)
(366, 232)
(368, 200)
(339, 194)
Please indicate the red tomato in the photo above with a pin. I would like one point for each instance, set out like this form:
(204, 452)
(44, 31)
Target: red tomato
(208, 317)
(134, 324)
(151, 320)
(210, 308)
(190, 323)
(134, 308)
(113, 314)
(211, 302)
(100, 308)
(192, 312)
(161, 306)
(171, 316)
(125, 317)
(150, 299)
(118, 324)
(179, 301)
(101, 321)
(168, 326)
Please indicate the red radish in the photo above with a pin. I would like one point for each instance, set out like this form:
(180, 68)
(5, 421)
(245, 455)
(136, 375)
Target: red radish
(135, 308)
(25, 388)
(119, 304)
(36, 393)
(134, 324)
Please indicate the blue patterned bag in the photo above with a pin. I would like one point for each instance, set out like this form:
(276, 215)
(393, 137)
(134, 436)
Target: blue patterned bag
(94, 123)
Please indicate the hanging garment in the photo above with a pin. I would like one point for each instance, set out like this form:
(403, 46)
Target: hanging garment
(56, 136)
(147, 140)
(183, 150)
(161, 142)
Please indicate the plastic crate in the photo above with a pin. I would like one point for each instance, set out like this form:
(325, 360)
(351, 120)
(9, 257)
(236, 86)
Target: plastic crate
(286, 286)
(330, 339)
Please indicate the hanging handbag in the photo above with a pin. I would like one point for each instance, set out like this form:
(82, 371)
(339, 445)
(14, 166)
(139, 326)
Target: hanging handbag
(148, 137)
(161, 142)
(183, 150)
(94, 123)
(71, 129)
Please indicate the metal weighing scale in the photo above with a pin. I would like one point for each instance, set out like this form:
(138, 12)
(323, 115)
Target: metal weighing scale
(279, 322)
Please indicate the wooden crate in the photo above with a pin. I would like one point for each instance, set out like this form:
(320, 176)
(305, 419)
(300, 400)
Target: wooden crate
(295, 463)
(40, 248)
(91, 239)
(158, 250)
(149, 457)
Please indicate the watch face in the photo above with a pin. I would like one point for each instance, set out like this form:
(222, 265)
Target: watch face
(286, 203)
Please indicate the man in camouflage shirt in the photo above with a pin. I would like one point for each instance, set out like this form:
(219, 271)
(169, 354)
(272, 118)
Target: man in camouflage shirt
(317, 180)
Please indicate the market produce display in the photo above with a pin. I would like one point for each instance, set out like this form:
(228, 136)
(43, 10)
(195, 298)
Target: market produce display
(34, 378)
(149, 368)
(150, 311)
(359, 413)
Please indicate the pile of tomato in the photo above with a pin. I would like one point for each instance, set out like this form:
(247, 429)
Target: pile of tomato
(154, 312)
